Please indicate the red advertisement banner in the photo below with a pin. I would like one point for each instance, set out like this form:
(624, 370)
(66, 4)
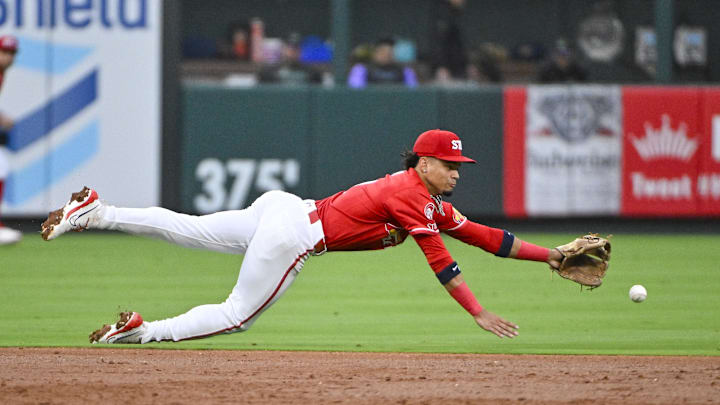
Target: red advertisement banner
(670, 152)
(709, 176)
(661, 151)
(514, 100)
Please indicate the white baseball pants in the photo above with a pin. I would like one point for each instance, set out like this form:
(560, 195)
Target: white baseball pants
(276, 234)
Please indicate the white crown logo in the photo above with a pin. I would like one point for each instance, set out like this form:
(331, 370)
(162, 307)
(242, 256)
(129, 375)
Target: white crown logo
(665, 142)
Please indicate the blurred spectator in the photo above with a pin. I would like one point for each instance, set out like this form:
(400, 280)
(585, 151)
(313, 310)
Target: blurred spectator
(361, 54)
(236, 43)
(485, 63)
(290, 70)
(382, 68)
(450, 60)
(239, 35)
(562, 66)
(314, 49)
(528, 52)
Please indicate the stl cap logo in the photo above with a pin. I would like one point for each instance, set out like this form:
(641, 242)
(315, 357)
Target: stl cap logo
(665, 142)
(456, 144)
(429, 209)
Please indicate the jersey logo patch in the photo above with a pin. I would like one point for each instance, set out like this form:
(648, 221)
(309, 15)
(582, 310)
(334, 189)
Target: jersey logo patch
(457, 216)
(429, 210)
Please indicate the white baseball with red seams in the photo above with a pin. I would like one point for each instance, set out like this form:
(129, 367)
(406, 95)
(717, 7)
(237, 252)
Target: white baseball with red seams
(276, 234)
(638, 293)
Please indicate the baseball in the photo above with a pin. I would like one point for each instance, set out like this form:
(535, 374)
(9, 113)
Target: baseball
(638, 293)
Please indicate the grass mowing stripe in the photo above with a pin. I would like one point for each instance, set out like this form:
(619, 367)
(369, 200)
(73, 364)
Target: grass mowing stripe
(55, 293)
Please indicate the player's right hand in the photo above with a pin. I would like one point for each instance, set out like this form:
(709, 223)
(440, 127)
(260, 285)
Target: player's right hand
(494, 324)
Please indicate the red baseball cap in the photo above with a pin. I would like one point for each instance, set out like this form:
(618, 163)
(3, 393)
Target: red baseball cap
(440, 144)
(8, 43)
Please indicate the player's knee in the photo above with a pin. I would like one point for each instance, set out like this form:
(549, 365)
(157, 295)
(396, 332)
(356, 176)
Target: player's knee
(233, 309)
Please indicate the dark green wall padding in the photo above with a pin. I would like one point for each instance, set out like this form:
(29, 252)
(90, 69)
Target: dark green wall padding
(339, 136)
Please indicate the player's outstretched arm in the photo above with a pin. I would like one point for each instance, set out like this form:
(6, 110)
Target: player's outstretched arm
(448, 273)
(492, 323)
(527, 251)
(502, 243)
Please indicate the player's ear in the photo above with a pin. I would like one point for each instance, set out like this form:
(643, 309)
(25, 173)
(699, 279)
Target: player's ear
(422, 165)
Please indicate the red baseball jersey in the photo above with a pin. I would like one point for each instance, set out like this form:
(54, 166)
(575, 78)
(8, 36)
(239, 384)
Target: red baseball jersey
(382, 213)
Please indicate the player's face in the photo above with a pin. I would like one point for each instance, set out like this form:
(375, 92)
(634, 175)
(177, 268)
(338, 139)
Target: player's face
(440, 176)
(6, 59)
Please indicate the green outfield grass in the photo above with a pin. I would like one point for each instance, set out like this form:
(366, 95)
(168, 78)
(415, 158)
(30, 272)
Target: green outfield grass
(55, 293)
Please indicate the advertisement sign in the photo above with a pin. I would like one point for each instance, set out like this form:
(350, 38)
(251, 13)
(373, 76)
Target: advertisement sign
(708, 185)
(662, 151)
(564, 157)
(514, 101)
(573, 150)
(84, 93)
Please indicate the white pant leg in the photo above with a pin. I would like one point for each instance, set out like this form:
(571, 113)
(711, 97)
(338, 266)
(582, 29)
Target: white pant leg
(227, 231)
(276, 254)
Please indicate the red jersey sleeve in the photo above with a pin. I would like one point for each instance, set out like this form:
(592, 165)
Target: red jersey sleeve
(435, 251)
(493, 240)
(450, 218)
(413, 211)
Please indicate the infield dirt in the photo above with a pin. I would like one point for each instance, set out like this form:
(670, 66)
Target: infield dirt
(104, 375)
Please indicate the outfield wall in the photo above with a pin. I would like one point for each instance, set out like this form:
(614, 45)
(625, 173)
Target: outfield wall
(542, 151)
(314, 141)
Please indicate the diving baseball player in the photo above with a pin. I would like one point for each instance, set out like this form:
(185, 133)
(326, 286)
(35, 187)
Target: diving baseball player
(8, 49)
(279, 231)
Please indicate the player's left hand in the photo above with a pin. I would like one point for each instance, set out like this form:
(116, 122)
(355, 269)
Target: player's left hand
(494, 324)
(555, 258)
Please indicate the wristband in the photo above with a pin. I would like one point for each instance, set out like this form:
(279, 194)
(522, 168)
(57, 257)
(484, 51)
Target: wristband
(506, 245)
(448, 273)
(528, 251)
(466, 299)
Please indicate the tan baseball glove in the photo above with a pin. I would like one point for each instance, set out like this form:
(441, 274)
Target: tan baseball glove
(585, 260)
